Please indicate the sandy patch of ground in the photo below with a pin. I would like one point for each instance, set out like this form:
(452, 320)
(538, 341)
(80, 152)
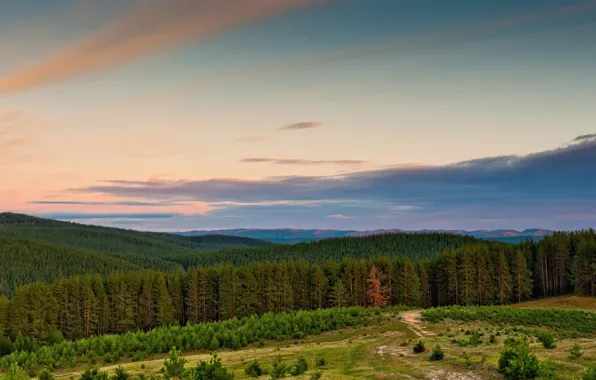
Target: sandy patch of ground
(441, 374)
(412, 319)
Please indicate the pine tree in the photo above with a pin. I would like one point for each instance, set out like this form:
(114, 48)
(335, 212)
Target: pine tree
(503, 279)
(584, 268)
(409, 284)
(377, 294)
(337, 294)
(522, 278)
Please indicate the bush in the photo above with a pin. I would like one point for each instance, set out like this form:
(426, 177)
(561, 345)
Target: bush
(173, 366)
(93, 374)
(547, 370)
(547, 339)
(254, 369)
(45, 375)
(279, 368)
(213, 370)
(316, 375)
(321, 362)
(419, 347)
(516, 362)
(300, 367)
(120, 374)
(492, 339)
(590, 374)
(15, 373)
(576, 351)
(437, 354)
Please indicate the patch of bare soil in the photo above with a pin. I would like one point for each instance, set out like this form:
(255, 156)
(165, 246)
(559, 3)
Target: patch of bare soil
(387, 350)
(441, 374)
(412, 319)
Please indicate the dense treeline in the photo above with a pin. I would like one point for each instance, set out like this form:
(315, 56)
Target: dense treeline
(83, 306)
(34, 249)
(412, 245)
(580, 321)
(234, 334)
(24, 261)
(484, 273)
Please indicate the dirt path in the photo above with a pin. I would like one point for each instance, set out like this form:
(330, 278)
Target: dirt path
(412, 319)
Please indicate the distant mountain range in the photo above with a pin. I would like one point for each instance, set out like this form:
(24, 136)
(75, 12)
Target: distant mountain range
(291, 236)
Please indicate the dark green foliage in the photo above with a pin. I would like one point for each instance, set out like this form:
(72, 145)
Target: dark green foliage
(516, 362)
(106, 239)
(254, 369)
(34, 249)
(419, 347)
(94, 374)
(120, 374)
(437, 353)
(45, 375)
(547, 339)
(492, 339)
(415, 246)
(300, 367)
(173, 366)
(212, 370)
(316, 375)
(321, 362)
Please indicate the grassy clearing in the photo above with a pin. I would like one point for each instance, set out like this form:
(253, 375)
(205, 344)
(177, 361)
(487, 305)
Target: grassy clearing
(562, 302)
(384, 351)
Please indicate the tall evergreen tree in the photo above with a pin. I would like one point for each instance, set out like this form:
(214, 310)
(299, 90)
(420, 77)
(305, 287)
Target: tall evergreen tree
(502, 279)
(522, 277)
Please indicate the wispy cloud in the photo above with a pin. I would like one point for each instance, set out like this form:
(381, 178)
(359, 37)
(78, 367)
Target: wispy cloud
(82, 216)
(300, 161)
(301, 125)
(160, 26)
(339, 216)
(585, 137)
(119, 203)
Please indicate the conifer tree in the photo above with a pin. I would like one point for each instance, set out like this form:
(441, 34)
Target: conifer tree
(502, 279)
(377, 294)
(337, 294)
(522, 278)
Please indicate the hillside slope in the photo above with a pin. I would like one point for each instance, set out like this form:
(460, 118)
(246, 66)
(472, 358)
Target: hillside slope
(415, 245)
(25, 261)
(41, 250)
(107, 239)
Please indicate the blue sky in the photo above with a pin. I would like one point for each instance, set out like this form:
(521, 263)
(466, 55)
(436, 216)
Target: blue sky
(184, 105)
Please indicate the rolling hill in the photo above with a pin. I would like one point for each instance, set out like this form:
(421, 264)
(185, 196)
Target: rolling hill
(107, 239)
(413, 245)
(292, 236)
(35, 249)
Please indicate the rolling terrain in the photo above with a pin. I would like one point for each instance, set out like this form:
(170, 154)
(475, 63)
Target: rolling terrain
(35, 249)
(292, 236)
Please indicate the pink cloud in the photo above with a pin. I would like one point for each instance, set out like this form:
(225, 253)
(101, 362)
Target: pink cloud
(147, 30)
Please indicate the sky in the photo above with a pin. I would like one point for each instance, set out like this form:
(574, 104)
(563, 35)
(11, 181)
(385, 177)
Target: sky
(173, 115)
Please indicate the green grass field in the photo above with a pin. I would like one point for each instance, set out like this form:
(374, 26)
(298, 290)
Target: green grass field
(384, 351)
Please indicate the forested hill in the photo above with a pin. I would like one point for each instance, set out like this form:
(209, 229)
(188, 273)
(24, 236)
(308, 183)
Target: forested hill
(414, 246)
(35, 249)
(107, 239)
